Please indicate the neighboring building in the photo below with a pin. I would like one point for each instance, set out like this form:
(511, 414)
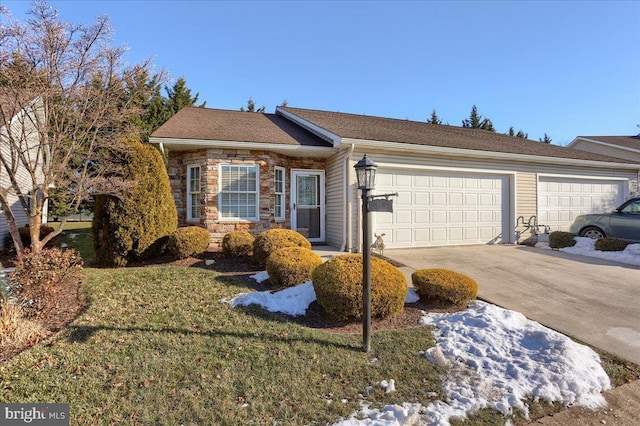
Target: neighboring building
(22, 124)
(236, 170)
(626, 147)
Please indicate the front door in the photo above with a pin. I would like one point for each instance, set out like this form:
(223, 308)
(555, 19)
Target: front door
(307, 206)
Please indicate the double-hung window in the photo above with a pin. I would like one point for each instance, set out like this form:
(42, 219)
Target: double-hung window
(239, 186)
(279, 193)
(193, 192)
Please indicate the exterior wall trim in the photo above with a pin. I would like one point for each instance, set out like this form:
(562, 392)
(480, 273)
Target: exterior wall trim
(399, 147)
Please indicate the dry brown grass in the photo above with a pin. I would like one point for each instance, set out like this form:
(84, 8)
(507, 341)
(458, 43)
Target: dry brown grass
(17, 332)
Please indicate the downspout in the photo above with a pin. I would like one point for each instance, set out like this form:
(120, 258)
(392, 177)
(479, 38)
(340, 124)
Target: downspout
(347, 201)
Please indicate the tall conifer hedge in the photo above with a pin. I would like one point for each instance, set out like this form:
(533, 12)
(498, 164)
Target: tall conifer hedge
(135, 225)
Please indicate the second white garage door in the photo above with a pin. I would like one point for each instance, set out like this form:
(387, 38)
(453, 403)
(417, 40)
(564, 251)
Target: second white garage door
(442, 208)
(561, 199)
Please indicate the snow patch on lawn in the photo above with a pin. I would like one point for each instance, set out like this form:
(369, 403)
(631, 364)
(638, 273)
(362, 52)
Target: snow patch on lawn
(291, 301)
(260, 276)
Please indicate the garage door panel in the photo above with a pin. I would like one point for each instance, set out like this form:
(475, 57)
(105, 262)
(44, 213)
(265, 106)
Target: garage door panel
(561, 199)
(442, 208)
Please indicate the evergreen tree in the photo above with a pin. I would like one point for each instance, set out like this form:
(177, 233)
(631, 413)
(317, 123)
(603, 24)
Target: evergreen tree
(132, 225)
(434, 118)
(545, 139)
(179, 96)
(251, 107)
(475, 121)
(285, 103)
(520, 134)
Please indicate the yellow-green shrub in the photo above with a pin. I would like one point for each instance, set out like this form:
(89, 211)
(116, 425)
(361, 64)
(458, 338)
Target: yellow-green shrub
(444, 285)
(561, 239)
(611, 244)
(188, 241)
(275, 239)
(338, 287)
(291, 266)
(237, 243)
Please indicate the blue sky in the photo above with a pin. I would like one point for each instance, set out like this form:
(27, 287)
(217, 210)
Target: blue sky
(564, 68)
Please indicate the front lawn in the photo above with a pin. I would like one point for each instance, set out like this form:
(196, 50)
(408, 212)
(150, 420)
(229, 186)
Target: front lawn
(156, 345)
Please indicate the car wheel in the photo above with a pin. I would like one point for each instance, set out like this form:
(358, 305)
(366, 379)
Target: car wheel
(592, 232)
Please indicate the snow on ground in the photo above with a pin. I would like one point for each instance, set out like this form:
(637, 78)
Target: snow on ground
(586, 247)
(497, 358)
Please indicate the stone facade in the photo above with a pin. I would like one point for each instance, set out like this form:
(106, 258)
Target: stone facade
(209, 161)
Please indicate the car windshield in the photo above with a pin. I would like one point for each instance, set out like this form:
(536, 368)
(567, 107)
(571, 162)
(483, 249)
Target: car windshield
(632, 208)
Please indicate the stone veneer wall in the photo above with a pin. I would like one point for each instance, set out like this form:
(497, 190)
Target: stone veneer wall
(209, 160)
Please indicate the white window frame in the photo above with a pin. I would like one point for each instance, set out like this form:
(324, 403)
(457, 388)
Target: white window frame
(280, 193)
(191, 193)
(256, 213)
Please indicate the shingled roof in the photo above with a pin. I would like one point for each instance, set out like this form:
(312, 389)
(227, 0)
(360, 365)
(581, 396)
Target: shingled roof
(632, 142)
(222, 125)
(373, 128)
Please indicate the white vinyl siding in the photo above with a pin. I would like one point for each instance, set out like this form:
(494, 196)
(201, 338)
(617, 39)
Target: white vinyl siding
(562, 198)
(238, 197)
(336, 200)
(279, 193)
(193, 193)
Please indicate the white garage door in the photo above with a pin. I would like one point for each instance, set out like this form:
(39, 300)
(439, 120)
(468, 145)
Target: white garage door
(561, 199)
(441, 208)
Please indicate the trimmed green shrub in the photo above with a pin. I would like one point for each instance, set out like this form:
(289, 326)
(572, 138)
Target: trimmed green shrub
(125, 228)
(38, 278)
(237, 243)
(338, 287)
(444, 285)
(188, 241)
(291, 266)
(274, 239)
(560, 239)
(611, 244)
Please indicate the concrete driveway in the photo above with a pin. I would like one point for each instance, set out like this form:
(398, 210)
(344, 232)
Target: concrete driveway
(593, 300)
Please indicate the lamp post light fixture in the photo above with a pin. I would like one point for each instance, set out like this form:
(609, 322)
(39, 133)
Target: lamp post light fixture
(366, 174)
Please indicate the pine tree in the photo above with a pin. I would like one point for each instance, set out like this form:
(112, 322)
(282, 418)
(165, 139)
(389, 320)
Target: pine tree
(179, 96)
(251, 107)
(545, 139)
(285, 103)
(434, 118)
(520, 134)
(475, 121)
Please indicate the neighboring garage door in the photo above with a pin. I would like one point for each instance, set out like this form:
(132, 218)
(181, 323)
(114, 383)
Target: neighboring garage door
(442, 208)
(561, 199)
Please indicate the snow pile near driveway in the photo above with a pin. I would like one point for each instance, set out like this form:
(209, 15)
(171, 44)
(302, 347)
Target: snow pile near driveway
(497, 359)
(586, 247)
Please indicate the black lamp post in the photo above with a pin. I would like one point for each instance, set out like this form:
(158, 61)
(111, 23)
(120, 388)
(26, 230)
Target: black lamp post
(366, 174)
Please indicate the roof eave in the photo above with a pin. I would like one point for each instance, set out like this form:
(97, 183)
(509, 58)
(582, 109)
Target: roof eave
(384, 145)
(178, 144)
(597, 142)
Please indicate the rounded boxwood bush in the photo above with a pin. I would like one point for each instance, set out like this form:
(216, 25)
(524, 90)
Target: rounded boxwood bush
(561, 239)
(237, 243)
(444, 285)
(188, 241)
(338, 287)
(291, 266)
(274, 239)
(610, 244)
